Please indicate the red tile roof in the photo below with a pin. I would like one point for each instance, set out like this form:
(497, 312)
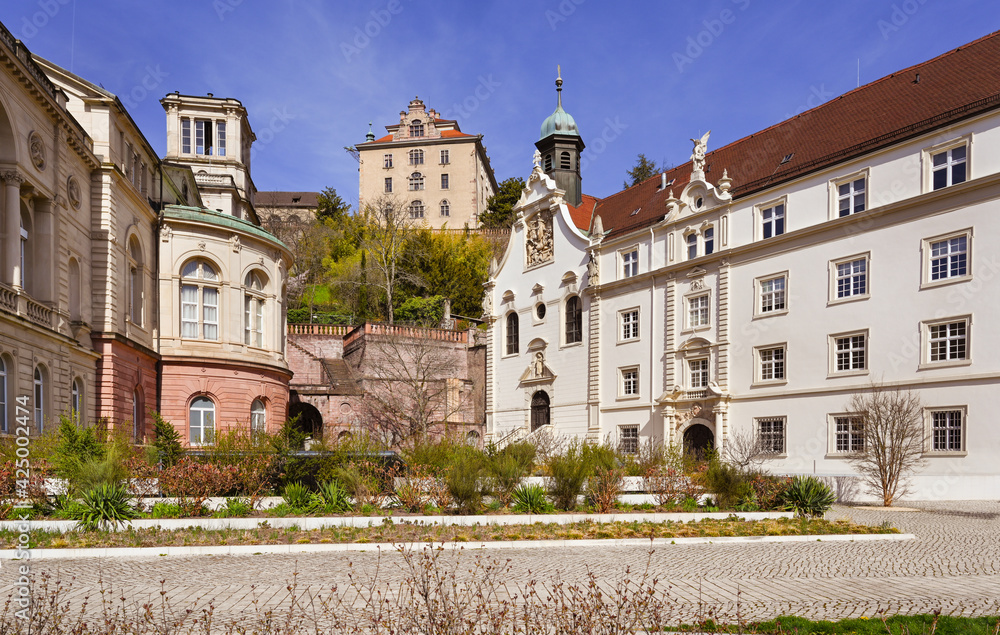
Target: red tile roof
(956, 85)
(581, 215)
(455, 133)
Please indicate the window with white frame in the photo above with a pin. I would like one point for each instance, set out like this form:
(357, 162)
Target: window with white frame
(850, 278)
(574, 320)
(416, 157)
(947, 432)
(417, 209)
(692, 245)
(39, 386)
(3, 395)
(947, 340)
(629, 384)
(417, 129)
(76, 400)
(698, 311)
(185, 135)
(771, 294)
(848, 434)
(258, 417)
(445, 182)
(387, 160)
(220, 134)
(445, 208)
(512, 333)
(630, 324)
(850, 352)
(201, 421)
(135, 286)
(445, 157)
(253, 309)
(199, 301)
(628, 439)
(698, 373)
(388, 185)
(947, 258)
(949, 167)
(772, 221)
(771, 363)
(708, 239)
(209, 137)
(771, 435)
(630, 263)
(416, 182)
(851, 197)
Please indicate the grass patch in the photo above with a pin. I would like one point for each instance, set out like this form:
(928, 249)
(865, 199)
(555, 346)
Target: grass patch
(895, 625)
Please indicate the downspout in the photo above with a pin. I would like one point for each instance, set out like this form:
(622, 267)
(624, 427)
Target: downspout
(156, 277)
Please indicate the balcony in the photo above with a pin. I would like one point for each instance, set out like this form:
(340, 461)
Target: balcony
(16, 302)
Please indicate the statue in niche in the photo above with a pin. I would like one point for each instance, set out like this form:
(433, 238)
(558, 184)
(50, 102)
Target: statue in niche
(538, 239)
(538, 367)
(698, 155)
(593, 270)
(488, 304)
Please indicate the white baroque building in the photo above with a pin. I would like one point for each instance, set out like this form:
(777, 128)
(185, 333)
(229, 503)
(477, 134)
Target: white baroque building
(753, 290)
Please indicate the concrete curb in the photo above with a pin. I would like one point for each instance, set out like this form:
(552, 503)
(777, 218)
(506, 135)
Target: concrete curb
(236, 550)
(322, 522)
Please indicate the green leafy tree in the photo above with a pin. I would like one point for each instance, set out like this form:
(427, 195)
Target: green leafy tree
(499, 212)
(642, 170)
(423, 311)
(331, 206)
(450, 264)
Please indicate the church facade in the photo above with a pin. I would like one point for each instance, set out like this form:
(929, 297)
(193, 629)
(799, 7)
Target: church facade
(749, 293)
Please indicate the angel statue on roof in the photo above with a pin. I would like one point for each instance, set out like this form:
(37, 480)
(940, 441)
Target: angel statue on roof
(698, 155)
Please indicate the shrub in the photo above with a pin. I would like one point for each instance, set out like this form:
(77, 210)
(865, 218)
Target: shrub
(366, 482)
(569, 471)
(165, 510)
(335, 497)
(727, 482)
(106, 505)
(413, 488)
(296, 495)
(808, 496)
(507, 467)
(193, 483)
(650, 454)
(689, 504)
(234, 508)
(462, 478)
(530, 499)
(604, 487)
(167, 442)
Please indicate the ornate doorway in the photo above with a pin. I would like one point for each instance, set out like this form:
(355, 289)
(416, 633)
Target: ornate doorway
(698, 439)
(539, 410)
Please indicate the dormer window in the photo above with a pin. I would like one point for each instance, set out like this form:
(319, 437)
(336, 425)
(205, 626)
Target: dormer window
(416, 129)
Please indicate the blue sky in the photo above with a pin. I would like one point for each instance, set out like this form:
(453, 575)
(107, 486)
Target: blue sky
(639, 76)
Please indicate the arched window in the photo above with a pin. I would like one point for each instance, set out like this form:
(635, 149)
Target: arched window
(416, 182)
(253, 309)
(3, 395)
(202, 421)
(258, 416)
(135, 294)
(565, 163)
(445, 208)
(417, 129)
(416, 157)
(548, 162)
(199, 301)
(75, 290)
(417, 209)
(472, 438)
(512, 333)
(137, 416)
(76, 400)
(39, 399)
(574, 320)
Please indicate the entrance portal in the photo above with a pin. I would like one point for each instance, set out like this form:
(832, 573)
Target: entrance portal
(698, 439)
(539, 410)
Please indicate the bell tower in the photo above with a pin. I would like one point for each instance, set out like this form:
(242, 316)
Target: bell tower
(560, 145)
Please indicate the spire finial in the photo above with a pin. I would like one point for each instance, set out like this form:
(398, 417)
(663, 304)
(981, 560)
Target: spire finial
(371, 135)
(559, 83)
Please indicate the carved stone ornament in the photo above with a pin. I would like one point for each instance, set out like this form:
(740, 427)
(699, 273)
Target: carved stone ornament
(538, 238)
(165, 233)
(698, 154)
(488, 304)
(538, 366)
(234, 242)
(594, 270)
(697, 285)
(36, 148)
(201, 245)
(11, 177)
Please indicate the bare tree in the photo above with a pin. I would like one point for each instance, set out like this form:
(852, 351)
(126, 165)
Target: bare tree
(387, 225)
(889, 425)
(746, 450)
(412, 382)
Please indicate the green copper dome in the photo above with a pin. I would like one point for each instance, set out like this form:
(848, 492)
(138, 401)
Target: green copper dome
(560, 121)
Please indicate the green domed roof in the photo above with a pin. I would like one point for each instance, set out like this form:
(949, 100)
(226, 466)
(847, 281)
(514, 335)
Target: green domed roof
(560, 121)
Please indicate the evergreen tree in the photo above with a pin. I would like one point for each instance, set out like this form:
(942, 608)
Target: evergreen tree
(331, 206)
(499, 212)
(643, 169)
(168, 441)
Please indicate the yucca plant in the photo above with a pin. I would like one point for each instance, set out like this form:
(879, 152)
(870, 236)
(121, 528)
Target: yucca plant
(296, 495)
(808, 496)
(335, 497)
(106, 505)
(530, 499)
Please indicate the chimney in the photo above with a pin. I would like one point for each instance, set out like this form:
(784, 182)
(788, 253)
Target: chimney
(663, 181)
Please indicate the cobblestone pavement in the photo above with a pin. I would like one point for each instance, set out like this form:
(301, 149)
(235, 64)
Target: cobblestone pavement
(953, 565)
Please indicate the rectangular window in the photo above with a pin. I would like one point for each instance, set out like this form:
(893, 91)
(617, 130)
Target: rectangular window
(445, 157)
(949, 167)
(630, 263)
(709, 236)
(946, 431)
(628, 439)
(630, 324)
(850, 353)
(771, 435)
(692, 245)
(851, 197)
(949, 258)
(852, 278)
(772, 363)
(698, 373)
(220, 133)
(444, 181)
(848, 434)
(388, 185)
(386, 160)
(698, 314)
(203, 137)
(186, 135)
(773, 221)
(948, 341)
(189, 311)
(210, 311)
(772, 295)
(630, 382)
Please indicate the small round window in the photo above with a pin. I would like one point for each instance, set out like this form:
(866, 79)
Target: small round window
(540, 311)
(699, 203)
